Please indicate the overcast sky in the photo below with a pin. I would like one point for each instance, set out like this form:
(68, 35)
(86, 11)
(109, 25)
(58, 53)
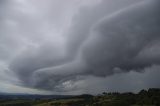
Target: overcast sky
(79, 46)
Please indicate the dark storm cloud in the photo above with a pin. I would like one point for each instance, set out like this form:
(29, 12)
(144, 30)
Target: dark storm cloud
(110, 42)
(52, 54)
(105, 39)
(78, 33)
(127, 40)
(87, 17)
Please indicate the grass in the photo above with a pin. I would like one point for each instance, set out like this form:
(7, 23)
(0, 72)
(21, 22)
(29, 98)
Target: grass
(62, 102)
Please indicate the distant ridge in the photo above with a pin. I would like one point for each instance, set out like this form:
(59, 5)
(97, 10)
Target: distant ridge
(4, 95)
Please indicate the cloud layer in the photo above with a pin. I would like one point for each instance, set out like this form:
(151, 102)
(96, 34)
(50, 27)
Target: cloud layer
(60, 50)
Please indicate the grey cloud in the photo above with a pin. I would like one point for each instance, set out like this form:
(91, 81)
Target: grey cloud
(118, 42)
(77, 34)
(122, 40)
(41, 45)
(25, 40)
(37, 58)
(123, 82)
(87, 17)
(106, 39)
(57, 75)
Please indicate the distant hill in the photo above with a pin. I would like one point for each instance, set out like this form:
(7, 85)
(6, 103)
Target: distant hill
(31, 96)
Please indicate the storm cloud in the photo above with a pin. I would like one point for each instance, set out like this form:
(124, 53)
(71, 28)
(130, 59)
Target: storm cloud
(61, 46)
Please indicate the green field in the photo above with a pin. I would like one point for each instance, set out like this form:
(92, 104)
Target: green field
(149, 97)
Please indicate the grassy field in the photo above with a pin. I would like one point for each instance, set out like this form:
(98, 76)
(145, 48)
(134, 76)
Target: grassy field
(149, 97)
(63, 102)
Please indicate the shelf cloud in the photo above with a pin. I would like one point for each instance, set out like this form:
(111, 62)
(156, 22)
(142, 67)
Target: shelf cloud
(63, 46)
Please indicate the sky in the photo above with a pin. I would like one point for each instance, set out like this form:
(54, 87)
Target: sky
(79, 46)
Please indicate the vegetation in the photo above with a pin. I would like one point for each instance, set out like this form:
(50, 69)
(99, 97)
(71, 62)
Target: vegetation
(149, 97)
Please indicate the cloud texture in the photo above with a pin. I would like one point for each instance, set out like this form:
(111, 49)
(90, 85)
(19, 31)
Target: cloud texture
(62, 47)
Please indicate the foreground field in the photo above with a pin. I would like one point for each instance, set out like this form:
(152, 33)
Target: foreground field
(149, 97)
(64, 102)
